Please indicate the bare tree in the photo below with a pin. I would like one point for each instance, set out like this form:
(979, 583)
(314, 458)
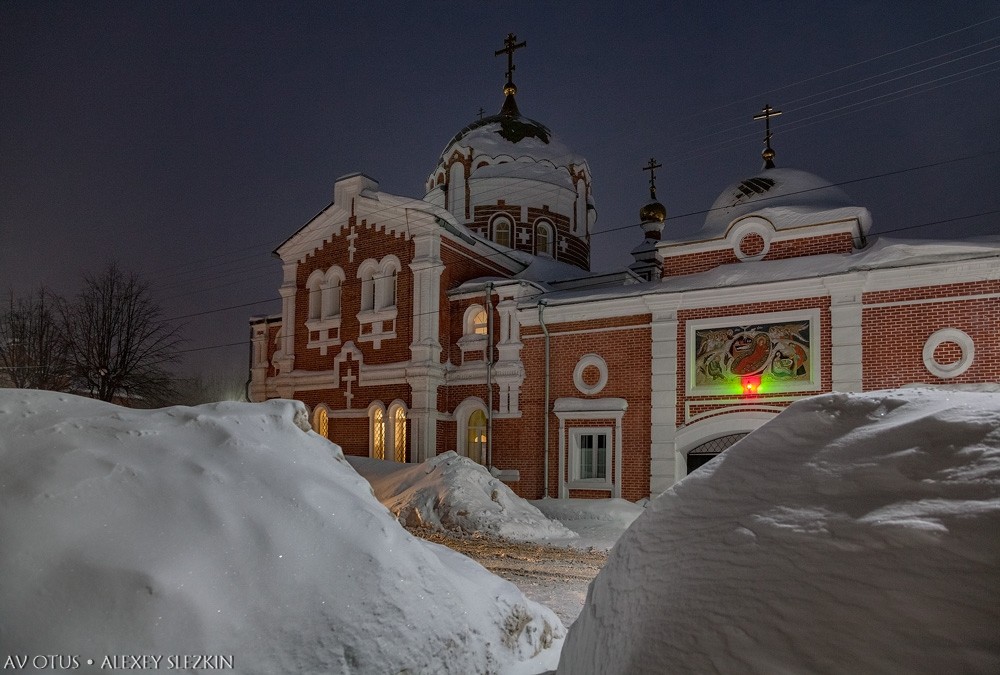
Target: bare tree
(32, 349)
(119, 346)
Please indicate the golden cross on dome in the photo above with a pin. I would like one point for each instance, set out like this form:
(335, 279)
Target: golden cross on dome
(766, 114)
(509, 45)
(651, 168)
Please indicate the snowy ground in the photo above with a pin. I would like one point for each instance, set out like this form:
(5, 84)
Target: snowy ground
(550, 548)
(227, 530)
(854, 533)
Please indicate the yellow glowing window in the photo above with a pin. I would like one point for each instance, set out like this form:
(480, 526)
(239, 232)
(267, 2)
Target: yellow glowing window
(321, 422)
(399, 434)
(478, 325)
(378, 434)
(476, 438)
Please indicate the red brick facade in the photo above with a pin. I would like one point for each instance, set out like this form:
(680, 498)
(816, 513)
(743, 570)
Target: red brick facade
(866, 333)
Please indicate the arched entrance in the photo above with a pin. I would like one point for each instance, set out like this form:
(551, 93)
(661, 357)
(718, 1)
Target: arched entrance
(701, 455)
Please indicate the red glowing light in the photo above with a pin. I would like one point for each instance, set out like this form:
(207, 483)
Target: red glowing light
(750, 384)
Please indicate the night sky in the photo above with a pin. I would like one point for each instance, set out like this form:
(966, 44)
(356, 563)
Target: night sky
(187, 140)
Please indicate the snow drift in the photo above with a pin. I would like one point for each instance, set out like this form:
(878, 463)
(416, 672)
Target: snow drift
(225, 529)
(855, 533)
(454, 493)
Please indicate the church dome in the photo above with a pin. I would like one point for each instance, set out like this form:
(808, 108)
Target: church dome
(512, 167)
(774, 192)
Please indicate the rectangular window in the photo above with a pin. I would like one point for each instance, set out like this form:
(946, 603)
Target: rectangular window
(590, 448)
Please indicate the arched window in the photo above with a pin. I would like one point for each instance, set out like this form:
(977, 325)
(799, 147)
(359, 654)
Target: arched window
(385, 283)
(388, 431)
(366, 273)
(543, 238)
(377, 437)
(332, 284)
(475, 321)
(397, 415)
(321, 421)
(475, 444)
(315, 287)
(502, 226)
(471, 419)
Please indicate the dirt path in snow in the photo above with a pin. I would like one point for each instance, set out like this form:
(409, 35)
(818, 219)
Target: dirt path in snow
(556, 577)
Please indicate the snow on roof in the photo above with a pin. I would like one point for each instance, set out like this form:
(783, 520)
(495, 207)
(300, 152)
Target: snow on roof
(785, 194)
(225, 529)
(882, 253)
(543, 171)
(854, 533)
(516, 137)
(450, 492)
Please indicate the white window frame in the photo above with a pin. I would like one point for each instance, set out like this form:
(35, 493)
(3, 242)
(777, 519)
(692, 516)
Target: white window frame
(505, 220)
(324, 309)
(373, 410)
(377, 318)
(472, 342)
(576, 482)
(546, 227)
(463, 415)
(388, 429)
(599, 411)
(392, 438)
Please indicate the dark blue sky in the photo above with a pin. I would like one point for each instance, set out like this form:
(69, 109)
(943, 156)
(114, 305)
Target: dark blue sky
(186, 140)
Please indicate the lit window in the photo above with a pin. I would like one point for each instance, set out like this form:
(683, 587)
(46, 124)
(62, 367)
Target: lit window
(321, 422)
(399, 434)
(378, 434)
(475, 445)
(478, 323)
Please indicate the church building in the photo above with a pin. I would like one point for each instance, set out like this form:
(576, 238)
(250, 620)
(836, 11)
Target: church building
(469, 320)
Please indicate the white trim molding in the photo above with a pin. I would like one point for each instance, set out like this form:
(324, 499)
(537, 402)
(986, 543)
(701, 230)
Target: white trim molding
(948, 370)
(569, 408)
(586, 361)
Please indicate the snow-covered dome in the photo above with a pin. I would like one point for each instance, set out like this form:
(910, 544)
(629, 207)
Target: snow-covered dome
(786, 196)
(508, 178)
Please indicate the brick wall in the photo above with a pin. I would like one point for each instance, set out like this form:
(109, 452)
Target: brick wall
(627, 352)
(692, 263)
(896, 334)
(372, 242)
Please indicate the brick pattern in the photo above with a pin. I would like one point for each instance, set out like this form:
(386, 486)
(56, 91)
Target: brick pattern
(372, 242)
(683, 316)
(692, 263)
(577, 250)
(752, 244)
(628, 355)
(897, 334)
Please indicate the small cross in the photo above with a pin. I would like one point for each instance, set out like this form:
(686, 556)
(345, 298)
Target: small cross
(509, 45)
(651, 168)
(766, 114)
(481, 112)
(349, 378)
(351, 248)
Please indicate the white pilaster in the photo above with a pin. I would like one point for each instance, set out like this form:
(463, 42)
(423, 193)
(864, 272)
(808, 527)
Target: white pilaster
(846, 333)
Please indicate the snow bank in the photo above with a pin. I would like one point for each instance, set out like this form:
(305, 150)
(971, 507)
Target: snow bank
(598, 522)
(451, 492)
(855, 533)
(225, 529)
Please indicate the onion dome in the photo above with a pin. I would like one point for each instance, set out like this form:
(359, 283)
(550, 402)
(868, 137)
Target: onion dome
(508, 178)
(653, 215)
